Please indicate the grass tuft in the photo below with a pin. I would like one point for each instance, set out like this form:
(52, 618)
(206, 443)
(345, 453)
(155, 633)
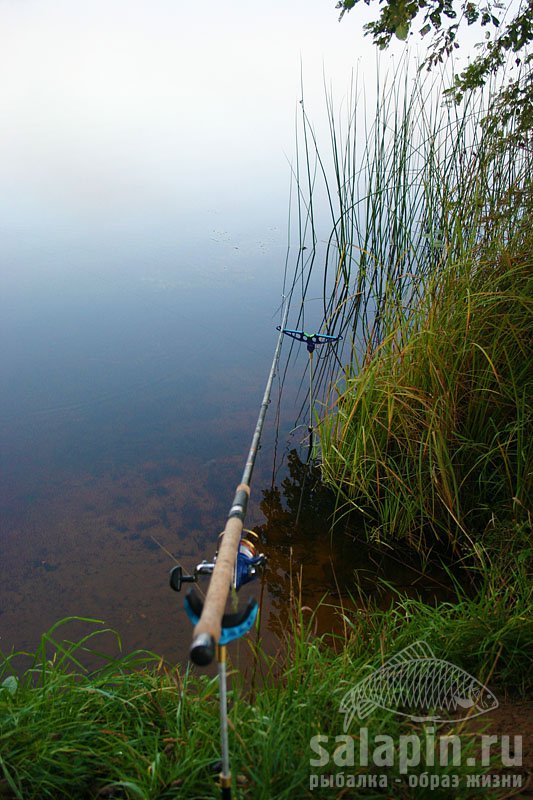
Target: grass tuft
(136, 728)
(426, 273)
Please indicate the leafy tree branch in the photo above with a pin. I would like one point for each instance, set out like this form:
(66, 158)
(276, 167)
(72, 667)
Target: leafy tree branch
(443, 19)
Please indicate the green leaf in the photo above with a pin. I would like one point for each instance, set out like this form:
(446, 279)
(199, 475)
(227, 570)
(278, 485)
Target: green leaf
(401, 31)
(10, 684)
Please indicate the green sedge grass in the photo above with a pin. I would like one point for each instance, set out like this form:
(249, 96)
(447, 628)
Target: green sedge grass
(429, 434)
(138, 728)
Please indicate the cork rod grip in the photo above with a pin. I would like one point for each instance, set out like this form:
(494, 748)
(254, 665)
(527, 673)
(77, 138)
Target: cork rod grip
(208, 629)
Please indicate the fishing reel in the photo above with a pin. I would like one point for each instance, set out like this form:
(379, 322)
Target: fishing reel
(235, 625)
(247, 565)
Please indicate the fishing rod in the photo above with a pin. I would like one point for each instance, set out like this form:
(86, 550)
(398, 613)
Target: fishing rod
(236, 563)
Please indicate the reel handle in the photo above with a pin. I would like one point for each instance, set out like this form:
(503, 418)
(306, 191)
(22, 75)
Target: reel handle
(177, 578)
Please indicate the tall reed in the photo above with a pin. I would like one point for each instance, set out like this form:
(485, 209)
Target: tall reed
(425, 273)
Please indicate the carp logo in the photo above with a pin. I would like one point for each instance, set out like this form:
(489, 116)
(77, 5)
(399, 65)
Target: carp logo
(417, 685)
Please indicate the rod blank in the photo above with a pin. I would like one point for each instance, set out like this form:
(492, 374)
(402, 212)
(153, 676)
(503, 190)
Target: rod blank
(207, 632)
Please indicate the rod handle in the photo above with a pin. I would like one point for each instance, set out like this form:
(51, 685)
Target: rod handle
(207, 632)
(202, 650)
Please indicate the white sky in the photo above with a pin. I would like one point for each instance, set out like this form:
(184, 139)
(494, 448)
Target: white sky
(107, 102)
(122, 109)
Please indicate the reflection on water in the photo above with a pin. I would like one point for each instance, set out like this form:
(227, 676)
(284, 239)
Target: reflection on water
(328, 566)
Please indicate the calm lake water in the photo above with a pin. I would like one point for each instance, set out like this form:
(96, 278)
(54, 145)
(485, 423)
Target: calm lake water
(143, 218)
(131, 382)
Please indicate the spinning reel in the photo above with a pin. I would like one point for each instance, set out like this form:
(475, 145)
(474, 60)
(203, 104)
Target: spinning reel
(247, 566)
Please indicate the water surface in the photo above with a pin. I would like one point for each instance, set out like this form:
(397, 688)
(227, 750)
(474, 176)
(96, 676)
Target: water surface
(131, 383)
(132, 373)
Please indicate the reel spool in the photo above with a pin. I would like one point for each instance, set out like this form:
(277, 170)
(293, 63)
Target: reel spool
(248, 562)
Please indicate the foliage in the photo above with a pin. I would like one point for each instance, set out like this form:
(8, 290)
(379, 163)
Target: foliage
(514, 101)
(409, 186)
(443, 18)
